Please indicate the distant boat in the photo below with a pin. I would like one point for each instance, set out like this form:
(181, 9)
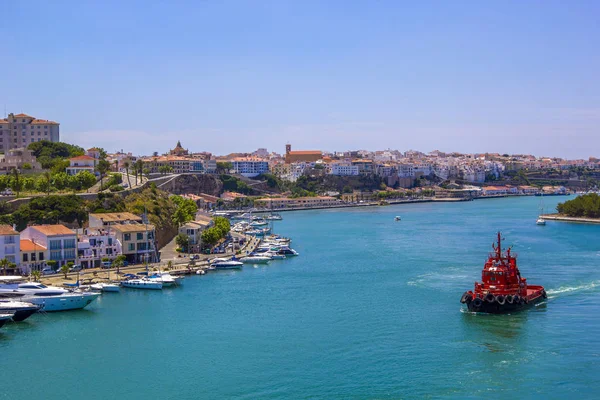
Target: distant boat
(397, 218)
(541, 220)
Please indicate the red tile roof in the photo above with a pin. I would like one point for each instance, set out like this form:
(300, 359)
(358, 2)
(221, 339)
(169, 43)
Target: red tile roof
(82, 158)
(28, 245)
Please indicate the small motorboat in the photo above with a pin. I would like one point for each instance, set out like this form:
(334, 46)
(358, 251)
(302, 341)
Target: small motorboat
(105, 287)
(274, 255)
(397, 218)
(142, 283)
(256, 259)
(540, 221)
(227, 264)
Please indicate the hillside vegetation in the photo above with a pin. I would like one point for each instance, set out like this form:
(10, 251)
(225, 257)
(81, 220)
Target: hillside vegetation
(587, 205)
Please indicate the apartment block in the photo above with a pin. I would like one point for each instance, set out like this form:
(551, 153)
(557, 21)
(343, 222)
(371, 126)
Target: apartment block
(20, 130)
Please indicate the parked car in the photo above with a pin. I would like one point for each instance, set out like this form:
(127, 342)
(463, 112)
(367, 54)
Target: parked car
(48, 271)
(75, 268)
(106, 264)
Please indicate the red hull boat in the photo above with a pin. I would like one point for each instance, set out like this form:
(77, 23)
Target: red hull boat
(502, 289)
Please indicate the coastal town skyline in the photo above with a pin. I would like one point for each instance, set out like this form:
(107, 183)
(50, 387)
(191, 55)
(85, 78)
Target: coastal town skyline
(512, 78)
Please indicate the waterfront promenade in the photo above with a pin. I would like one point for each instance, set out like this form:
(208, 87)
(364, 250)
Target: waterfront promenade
(565, 218)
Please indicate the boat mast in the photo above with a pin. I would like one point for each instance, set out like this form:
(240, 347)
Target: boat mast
(499, 247)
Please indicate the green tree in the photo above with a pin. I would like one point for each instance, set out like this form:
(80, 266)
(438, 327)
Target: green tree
(36, 275)
(51, 264)
(65, 268)
(60, 180)
(26, 166)
(119, 262)
(224, 167)
(47, 179)
(183, 241)
(210, 236)
(186, 210)
(102, 167)
(85, 180)
(16, 183)
(4, 264)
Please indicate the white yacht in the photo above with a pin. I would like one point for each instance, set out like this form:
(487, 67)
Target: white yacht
(105, 287)
(397, 218)
(257, 259)
(229, 264)
(50, 298)
(167, 279)
(5, 317)
(274, 255)
(20, 309)
(142, 283)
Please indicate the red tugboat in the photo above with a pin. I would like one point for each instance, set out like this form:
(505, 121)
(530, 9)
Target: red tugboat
(502, 289)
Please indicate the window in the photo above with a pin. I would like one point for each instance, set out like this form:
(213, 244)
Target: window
(69, 243)
(127, 236)
(32, 256)
(55, 255)
(110, 241)
(140, 236)
(41, 256)
(70, 254)
(55, 245)
(141, 246)
(25, 257)
(150, 235)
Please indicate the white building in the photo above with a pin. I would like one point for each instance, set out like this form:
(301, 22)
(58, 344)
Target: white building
(81, 163)
(94, 244)
(250, 167)
(9, 244)
(59, 241)
(21, 129)
(343, 169)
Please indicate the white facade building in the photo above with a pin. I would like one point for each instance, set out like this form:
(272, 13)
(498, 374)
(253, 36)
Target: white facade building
(9, 244)
(59, 241)
(81, 163)
(343, 169)
(250, 167)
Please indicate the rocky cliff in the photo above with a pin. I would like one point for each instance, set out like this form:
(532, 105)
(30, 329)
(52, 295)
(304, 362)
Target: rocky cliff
(194, 184)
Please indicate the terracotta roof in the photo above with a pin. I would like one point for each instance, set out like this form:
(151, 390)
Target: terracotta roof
(28, 245)
(117, 217)
(128, 228)
(82, 158)
(3, 121)
(53, 230)
(305, 152)
(93, 149)
(23, 115)
(7, 230)
(42, 122)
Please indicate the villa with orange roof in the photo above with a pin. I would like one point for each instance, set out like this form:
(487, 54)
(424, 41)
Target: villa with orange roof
(20, 130)
(301, 155)
(81, 163)
(59, 241)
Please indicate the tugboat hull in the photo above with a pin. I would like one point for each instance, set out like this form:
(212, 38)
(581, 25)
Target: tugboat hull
(502, 304)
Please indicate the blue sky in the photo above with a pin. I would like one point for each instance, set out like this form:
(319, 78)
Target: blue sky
(232, 76)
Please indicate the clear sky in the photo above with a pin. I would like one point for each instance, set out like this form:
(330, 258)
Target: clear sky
(231, 76)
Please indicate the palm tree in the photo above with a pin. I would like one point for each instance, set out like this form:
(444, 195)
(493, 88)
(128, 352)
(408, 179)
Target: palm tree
(36, 275)
(102, 168)
(139, 166)
(116, 165)
(126, 165)
(16, 183)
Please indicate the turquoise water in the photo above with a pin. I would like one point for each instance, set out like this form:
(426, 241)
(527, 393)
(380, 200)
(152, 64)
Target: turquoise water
(370, 309)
